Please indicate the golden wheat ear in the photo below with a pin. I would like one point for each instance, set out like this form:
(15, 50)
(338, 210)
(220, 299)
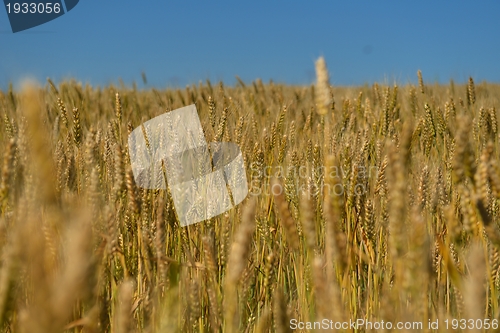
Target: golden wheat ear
(322, 90)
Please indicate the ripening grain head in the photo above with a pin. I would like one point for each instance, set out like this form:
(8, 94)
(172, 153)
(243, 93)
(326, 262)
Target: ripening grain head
(322, 92)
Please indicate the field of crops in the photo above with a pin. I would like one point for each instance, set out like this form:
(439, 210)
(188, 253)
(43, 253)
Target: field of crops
(378, 202)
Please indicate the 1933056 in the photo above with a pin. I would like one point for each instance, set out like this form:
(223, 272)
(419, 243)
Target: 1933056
(33, 8)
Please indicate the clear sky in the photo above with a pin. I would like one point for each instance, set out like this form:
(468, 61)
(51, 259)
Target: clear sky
(181, 42)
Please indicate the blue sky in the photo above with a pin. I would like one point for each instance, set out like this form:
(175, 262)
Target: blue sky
(181, 42)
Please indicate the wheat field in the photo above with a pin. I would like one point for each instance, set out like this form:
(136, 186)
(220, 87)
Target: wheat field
(375, 203)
